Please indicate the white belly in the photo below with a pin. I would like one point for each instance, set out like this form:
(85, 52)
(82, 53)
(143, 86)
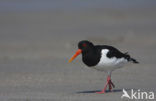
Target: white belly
(109, 64)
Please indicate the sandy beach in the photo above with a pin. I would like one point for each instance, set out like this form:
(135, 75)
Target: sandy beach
(35, 47)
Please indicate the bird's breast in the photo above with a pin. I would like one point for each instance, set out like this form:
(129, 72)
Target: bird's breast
(91, 59)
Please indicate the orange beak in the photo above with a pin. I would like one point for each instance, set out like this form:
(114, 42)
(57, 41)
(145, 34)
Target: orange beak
(75, 55)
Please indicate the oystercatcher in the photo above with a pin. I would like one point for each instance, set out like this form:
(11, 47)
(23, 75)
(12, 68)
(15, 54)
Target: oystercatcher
(103, 58)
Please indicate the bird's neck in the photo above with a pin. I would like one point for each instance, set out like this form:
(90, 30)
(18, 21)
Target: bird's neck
(91, 58)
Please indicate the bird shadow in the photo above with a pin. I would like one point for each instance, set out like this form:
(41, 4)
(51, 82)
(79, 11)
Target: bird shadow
(107, 91)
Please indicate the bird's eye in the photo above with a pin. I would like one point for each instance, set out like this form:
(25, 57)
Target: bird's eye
(84, 44)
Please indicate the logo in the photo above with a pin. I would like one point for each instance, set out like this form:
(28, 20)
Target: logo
(137, 94)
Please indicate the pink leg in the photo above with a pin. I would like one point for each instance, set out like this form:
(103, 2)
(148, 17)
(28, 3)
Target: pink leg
(103, 91)
(109, 82)
(111, 85)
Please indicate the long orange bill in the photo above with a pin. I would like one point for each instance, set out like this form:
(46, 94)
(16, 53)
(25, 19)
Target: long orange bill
(75, 55)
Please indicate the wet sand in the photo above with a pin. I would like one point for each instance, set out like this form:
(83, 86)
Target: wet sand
(35, 48)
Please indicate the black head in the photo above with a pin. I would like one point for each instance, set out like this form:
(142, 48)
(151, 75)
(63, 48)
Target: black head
(85, 46)
(88, 52)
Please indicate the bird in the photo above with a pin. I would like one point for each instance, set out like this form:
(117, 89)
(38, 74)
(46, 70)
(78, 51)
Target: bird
(102, 58)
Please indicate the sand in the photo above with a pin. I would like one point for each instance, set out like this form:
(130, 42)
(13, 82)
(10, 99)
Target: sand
(35, 48)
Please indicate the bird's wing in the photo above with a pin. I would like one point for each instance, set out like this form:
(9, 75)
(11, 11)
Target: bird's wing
(113, 52)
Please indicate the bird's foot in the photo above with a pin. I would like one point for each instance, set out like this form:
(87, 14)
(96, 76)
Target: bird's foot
(109, 83)
(101, 92)
(104, 90)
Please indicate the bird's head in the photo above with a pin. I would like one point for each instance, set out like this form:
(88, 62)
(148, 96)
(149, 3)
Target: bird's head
(83, 47)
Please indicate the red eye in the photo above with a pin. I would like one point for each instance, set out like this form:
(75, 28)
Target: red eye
(84, 45)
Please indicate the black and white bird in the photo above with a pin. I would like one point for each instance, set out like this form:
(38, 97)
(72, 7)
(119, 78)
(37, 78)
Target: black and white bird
(103, 58)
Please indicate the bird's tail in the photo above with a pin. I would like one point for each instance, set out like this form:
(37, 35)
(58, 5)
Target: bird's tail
(127, 56)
